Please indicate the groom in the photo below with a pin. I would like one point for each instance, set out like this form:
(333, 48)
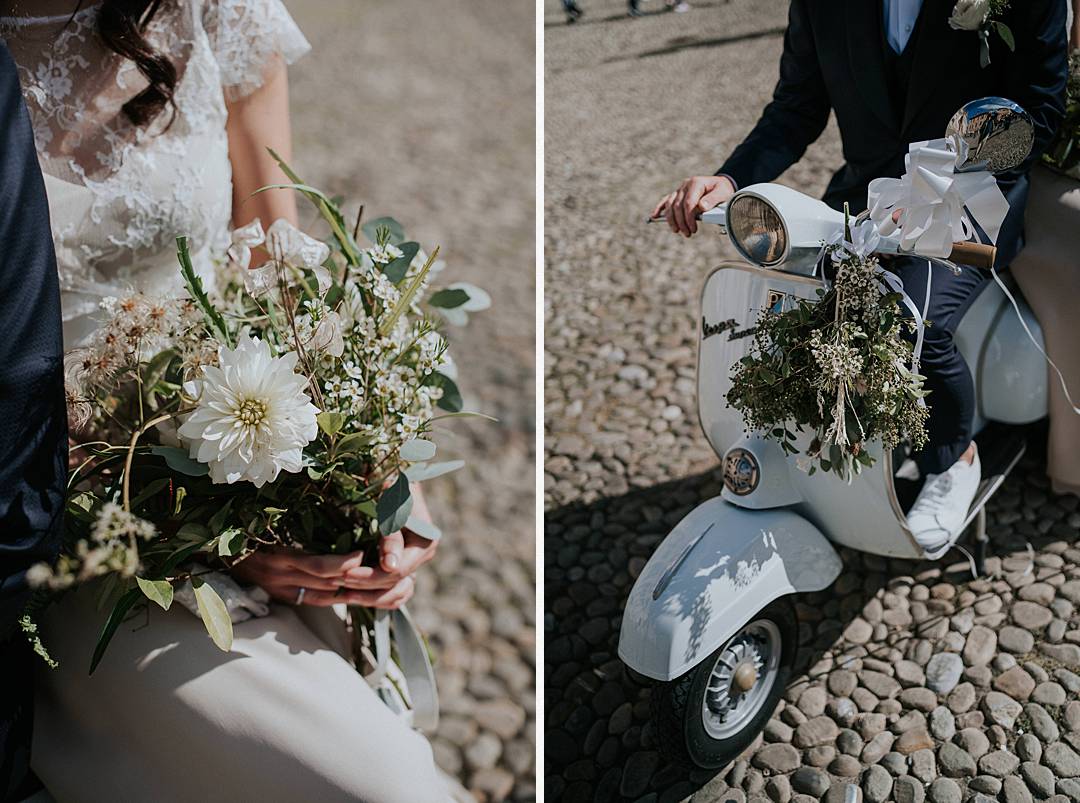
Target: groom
(894, 72)
(33, 421)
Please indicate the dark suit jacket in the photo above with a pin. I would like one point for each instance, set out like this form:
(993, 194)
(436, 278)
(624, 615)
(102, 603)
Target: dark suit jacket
(33, 420)
(834, 61)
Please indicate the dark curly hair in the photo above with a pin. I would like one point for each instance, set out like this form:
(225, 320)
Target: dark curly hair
(121, 24)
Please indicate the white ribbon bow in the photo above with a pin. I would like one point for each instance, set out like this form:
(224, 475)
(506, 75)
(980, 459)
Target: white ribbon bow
(938, 205)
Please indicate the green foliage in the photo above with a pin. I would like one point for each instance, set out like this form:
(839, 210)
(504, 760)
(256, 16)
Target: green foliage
(835, 368)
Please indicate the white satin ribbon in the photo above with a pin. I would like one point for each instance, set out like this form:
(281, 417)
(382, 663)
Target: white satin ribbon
(937, 205)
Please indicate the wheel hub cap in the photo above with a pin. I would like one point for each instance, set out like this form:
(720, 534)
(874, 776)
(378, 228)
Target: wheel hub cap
(741, 679)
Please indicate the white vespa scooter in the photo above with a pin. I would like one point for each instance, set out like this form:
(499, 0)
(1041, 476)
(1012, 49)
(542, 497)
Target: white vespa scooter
(711, 615)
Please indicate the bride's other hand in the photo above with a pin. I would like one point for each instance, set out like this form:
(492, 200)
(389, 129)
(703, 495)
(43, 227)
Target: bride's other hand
(283, 573)
(695, 195)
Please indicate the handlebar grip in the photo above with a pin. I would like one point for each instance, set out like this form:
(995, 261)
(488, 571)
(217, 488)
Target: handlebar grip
(975, 254)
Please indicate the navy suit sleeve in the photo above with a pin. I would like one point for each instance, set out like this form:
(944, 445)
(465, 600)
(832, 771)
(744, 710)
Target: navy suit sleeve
(33, 420)
(794, 118)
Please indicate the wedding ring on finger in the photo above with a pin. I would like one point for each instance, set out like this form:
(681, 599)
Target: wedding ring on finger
(300, 596)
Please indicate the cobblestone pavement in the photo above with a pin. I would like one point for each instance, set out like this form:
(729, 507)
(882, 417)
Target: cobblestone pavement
(915, 682)
(426, 111)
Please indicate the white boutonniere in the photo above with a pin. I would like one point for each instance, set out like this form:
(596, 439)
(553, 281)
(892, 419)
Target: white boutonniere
(979, 16)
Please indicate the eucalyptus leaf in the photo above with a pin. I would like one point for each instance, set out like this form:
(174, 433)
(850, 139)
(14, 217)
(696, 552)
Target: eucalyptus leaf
(158, 591)
(395, 270)
(397, 234)
(448, 299)
(419, 472)
(178, 460)
(116, 616)
(423, 528)
(214, 613)
(217, 521)
(353, 442)
(330, 422)
(451, 400)
(417, 450)
(231, 542)
(394, 506)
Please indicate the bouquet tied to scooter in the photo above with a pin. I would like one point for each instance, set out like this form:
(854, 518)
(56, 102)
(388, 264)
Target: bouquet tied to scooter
(844, 367)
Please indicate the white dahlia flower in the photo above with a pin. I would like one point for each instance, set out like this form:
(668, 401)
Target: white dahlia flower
(253, 418)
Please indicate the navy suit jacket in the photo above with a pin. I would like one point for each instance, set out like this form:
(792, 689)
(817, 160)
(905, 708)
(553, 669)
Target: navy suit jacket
(33, 420)
(834, 60)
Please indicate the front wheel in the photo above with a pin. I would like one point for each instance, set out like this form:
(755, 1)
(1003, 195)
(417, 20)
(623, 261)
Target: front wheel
(708, 716)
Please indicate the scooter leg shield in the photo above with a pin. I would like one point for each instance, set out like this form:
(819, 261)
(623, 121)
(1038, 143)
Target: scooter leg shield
(717, 568)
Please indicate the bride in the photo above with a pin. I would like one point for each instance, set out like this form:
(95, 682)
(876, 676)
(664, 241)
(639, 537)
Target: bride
(151, 119)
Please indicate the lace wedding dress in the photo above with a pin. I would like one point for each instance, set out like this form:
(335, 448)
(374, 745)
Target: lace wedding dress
(167, 716)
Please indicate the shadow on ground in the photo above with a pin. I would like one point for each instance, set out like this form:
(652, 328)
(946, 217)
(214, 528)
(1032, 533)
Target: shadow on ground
(599, 742)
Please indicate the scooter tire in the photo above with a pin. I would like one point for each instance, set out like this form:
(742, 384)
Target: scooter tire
(677, 704)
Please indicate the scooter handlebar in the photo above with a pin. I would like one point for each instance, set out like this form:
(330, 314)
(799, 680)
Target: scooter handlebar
(974, 254)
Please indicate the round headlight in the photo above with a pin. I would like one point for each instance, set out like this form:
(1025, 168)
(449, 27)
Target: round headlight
(756, 230)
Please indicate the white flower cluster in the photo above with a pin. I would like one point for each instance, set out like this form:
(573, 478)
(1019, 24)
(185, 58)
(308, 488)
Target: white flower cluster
(111, 548)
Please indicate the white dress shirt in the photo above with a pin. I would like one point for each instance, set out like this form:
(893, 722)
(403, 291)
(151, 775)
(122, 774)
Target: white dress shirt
(900, 16)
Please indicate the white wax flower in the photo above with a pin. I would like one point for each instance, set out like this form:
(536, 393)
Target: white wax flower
(253, 418)
(969, 15)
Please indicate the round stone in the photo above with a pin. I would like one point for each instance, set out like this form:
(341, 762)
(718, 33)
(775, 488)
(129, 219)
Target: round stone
(812, 701)
(859, 631)
(908, 790)
(1049, 693)
(986, 784)
(973, 741)
(980, 646)
(943, 672)
(810, 781)
(849, 742)
(942, 723)
(1000, 763)
(845, 766)
(1016, 683)
(776, 758)
(918, 738)
(919, 698)
(1001, 708)
(778, 788)
(909, 673)
(1014, 790)
(954, 762)
(817, 731)
(944, 790)
(842, 682)
(1062, 760)
(1028, 748)
(1030, 615)
(877, 784)
(961, 698)
(1016, 640)
(1042, 724)
(879, 684)
(1038, 777)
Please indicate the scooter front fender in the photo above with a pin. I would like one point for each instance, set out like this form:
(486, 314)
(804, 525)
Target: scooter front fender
(714, 571)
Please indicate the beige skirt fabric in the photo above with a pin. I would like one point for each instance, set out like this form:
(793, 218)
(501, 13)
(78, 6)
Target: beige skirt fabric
(1048, 272)
(169, 717)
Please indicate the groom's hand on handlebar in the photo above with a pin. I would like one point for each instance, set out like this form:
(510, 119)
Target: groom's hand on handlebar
(695, 195)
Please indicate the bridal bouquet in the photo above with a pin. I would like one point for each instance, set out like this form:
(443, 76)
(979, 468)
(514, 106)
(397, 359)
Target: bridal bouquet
(292, 407)
(837, 366)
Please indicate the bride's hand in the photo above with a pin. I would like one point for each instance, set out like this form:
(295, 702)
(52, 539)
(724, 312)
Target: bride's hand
(325, 578)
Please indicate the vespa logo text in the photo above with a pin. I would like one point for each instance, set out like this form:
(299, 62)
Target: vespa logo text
(730, 325)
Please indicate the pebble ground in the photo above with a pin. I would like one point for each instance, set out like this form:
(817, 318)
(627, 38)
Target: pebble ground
(425, 111)
(915, 683)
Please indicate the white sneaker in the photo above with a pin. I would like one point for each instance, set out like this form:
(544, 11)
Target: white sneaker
(938, 514)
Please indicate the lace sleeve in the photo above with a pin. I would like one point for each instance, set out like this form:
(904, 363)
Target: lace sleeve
(249, 38)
